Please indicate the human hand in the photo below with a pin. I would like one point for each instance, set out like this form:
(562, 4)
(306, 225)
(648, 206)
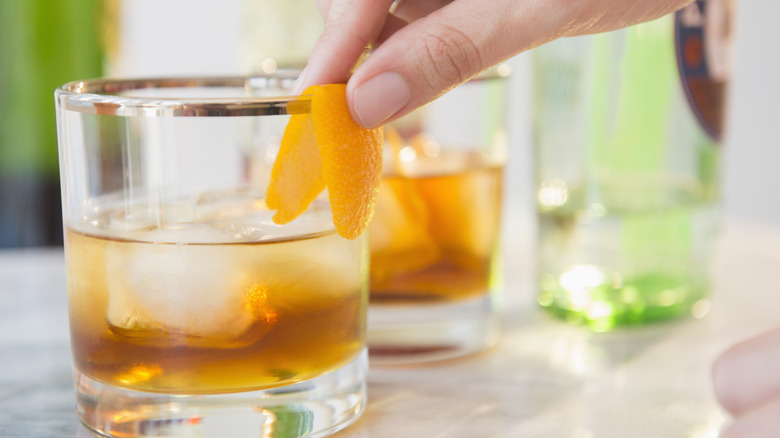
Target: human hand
(747, 383)
(423, 48)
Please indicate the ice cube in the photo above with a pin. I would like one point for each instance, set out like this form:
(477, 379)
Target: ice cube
(465, 208)
(193, 291)
(183, 233)
(221, 204)
(141, 216)
(308, 273)
(399, 237)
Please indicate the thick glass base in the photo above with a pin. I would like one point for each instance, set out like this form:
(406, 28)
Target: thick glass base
(418, 333)
(639, 300)
(313, 408)
(641, 255)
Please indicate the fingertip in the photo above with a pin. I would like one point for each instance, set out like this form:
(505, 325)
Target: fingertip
(376, 100)
(760, 422)
(745, 375)
(724, 371)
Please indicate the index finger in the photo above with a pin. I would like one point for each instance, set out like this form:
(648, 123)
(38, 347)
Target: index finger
(350, 26)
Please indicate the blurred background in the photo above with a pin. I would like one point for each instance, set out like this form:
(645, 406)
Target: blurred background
(44, 44)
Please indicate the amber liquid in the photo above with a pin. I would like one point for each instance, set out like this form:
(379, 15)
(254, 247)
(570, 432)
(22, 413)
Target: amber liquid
(435, 232)
(213, 318)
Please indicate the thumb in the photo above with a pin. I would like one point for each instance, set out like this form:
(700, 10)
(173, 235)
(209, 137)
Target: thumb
(433, 54)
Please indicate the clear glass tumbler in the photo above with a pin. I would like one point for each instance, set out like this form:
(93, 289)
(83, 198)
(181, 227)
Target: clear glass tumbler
(434, 239)
(191, 312)
(628, 129)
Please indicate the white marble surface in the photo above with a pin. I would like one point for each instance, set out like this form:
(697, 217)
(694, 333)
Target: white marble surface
(544, 379)
(36, 395)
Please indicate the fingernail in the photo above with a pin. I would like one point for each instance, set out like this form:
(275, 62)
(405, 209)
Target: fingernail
(379, 98)
(299, 83)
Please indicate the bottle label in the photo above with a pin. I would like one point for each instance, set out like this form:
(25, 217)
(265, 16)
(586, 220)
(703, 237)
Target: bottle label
(703, 32)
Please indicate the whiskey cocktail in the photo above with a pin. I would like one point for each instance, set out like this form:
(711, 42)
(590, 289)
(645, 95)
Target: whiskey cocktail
(191, 311)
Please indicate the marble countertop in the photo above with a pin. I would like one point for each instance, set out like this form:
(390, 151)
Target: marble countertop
(543, 379)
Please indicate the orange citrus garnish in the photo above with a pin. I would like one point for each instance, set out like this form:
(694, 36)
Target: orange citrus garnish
(296, 178)
(326, 148)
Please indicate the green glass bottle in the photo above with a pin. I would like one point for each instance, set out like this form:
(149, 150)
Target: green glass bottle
(627, 131)
(43, 44)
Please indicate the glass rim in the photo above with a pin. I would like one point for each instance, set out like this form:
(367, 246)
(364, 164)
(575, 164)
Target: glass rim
(106, 96)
